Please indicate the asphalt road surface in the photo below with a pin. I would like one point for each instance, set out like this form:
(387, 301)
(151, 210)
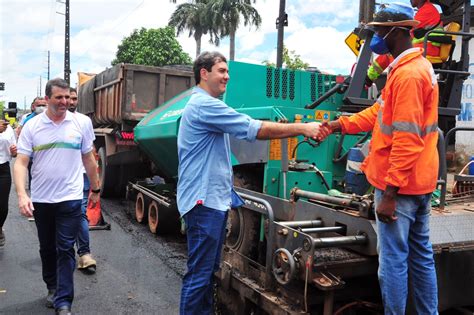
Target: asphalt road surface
(136, 272)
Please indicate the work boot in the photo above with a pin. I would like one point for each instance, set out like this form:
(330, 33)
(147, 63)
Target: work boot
(50, 298)
(87, 264)
(2, 238)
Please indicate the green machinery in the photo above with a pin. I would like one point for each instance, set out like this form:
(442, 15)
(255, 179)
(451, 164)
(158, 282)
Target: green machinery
(263, 93)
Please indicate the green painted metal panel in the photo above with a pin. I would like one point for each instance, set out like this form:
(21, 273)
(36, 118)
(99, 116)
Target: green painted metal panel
(267, 94)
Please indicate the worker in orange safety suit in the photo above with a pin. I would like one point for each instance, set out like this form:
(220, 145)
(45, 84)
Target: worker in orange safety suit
(402, 162)
(429, 19)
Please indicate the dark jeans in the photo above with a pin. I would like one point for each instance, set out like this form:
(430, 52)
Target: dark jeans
(58, 225)
(5, 185)
(205, 232)
(83, 235)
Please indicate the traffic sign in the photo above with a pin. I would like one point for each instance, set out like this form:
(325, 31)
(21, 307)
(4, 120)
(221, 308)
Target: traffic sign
(354, 42)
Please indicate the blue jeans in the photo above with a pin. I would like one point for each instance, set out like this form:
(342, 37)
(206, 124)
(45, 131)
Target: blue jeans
(57, 225)
(83, 235)
(205, 231)
(406, 256)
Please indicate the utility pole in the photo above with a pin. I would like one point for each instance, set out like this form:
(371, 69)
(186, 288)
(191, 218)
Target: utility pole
(67, 68)
(281, 22)
(39, 94)
(49, 60)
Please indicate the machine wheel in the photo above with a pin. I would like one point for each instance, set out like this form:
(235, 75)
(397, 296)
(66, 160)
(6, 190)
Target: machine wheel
(107, 175)
(140, 208)
(153, 217)
(283, 266)
(243, 225)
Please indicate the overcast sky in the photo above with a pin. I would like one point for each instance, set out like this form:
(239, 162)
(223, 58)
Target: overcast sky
(316, 31)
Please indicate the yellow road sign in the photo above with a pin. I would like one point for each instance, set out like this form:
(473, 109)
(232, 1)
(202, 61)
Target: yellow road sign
(354, 42)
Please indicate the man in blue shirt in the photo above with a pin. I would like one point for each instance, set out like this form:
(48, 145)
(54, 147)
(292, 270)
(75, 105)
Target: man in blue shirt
(205, 191)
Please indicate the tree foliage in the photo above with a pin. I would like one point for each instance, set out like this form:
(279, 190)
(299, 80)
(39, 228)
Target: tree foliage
(290, 61)
(193, 16)
(151, 47)
(218, 18)
(226, 16)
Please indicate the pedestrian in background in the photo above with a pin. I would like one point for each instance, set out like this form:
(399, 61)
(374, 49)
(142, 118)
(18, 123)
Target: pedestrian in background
(86, 262)
(37, 107)
(205, 192)
(59, 141)
(7, 151)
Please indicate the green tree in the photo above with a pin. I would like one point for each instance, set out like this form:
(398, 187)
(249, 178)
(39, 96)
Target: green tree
(290, 61)
(194, 17)
(226, 15)
(151, 47)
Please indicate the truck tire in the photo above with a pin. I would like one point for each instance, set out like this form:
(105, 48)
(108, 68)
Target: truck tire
(153, 217)
(141, 206)
(162, 220)
(107, 175)
(243, 225)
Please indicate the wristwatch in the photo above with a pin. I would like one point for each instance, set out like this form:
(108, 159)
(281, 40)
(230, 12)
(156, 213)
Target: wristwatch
(95, 191)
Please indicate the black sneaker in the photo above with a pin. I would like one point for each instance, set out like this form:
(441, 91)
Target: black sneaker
(2, 238)
(50, 298)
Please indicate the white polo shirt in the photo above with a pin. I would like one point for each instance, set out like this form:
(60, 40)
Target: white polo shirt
(7, 138)
(82, 116)
(57, 148)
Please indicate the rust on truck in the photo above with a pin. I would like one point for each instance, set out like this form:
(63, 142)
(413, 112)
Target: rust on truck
(128, 92)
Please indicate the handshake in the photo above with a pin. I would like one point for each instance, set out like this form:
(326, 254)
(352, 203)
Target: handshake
(320, 131)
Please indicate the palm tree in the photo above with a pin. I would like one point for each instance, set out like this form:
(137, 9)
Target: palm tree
(192, 16)
(226, 16)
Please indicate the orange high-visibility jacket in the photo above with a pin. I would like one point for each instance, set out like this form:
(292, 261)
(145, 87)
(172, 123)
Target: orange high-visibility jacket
(404, 121)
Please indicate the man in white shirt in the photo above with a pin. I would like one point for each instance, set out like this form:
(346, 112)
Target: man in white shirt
(59, 142)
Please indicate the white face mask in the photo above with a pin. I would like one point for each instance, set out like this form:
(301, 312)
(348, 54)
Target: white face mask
(40, 109)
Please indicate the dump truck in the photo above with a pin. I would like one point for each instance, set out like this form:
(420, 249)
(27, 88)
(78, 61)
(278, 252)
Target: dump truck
(116, 100)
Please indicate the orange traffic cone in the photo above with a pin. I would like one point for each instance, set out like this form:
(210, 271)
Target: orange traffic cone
(94, 215)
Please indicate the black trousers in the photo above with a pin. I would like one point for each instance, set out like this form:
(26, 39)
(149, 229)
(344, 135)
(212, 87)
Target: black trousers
(5, 186)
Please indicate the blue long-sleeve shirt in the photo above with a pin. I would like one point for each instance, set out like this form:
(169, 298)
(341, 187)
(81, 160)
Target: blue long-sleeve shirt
(205, 168)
